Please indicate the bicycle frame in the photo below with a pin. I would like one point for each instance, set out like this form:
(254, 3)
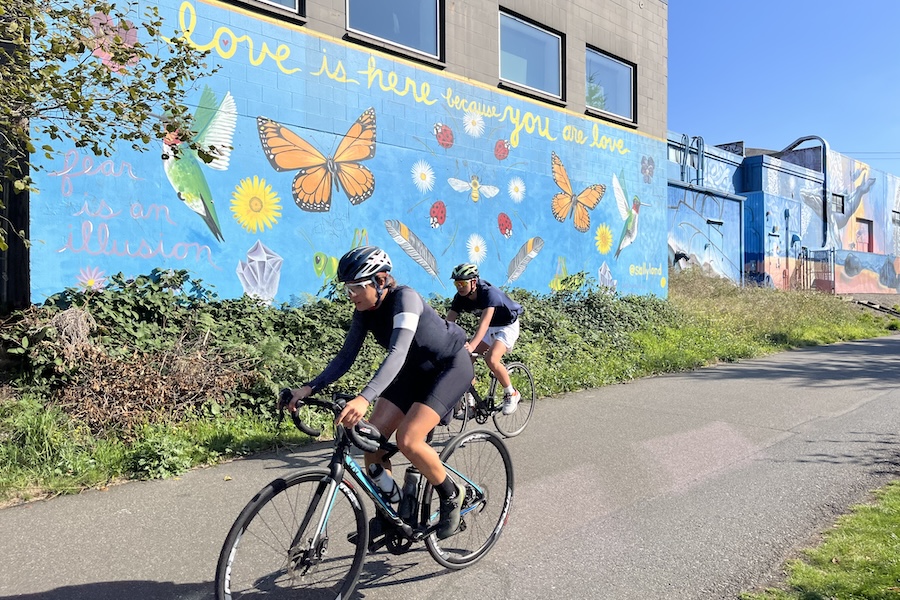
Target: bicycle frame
(343, 463)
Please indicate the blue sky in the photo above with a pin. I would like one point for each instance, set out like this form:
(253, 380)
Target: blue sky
(768, 72)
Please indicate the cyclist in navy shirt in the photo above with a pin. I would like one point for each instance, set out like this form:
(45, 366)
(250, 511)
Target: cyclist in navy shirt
(426, 370)
(497, 330)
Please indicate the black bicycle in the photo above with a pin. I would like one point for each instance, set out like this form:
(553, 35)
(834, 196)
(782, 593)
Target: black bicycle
(308, 532)
(490, 406)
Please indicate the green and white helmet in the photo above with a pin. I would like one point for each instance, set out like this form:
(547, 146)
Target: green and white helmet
(464, 272)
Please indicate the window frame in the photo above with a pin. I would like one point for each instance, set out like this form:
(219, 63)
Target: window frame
(868, 227)
(523, 88)
(837, 202)
(606, 114)
(273, 8)
(358, 35)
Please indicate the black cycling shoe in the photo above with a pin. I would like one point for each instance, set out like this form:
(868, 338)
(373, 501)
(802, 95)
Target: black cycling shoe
(449, 523)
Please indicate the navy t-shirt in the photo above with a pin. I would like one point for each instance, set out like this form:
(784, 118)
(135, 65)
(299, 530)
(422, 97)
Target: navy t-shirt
(506, 310)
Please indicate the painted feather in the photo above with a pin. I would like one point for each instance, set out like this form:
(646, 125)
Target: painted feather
(528, 251)
(412, 245)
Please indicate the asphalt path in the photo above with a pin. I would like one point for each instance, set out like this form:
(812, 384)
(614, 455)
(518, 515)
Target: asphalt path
(687, 486)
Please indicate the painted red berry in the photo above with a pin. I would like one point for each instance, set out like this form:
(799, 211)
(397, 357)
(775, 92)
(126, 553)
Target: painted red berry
(438, 214)
(501, 149)
(505, 224)
(443, 134)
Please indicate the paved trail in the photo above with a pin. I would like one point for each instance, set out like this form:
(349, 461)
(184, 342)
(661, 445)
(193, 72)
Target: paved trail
(691, 486)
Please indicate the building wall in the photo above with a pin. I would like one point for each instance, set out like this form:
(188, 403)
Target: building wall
(786, 220)
(635, 31)
(866, 235)
(705, 214)
(554, 186)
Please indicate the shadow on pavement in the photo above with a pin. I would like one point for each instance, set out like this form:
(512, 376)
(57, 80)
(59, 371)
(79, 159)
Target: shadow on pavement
(119, 590)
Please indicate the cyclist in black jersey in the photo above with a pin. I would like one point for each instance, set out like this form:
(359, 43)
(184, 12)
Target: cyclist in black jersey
(426, 370)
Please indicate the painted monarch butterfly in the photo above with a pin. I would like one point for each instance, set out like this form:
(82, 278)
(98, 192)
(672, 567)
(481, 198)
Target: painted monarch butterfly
(311, 189)
(566, 203)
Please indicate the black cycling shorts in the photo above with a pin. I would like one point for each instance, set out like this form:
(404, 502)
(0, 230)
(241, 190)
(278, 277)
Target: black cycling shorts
(438, 388)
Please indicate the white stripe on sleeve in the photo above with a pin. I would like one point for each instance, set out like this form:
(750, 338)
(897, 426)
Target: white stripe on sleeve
(406, 320)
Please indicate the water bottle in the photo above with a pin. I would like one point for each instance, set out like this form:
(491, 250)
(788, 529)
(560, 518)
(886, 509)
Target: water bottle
(409, 497)
(385, 483)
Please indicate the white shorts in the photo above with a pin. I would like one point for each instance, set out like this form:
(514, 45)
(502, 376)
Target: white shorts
(508, 334)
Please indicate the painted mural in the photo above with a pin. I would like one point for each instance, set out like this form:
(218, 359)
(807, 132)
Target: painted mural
(866, 234)
(322, 146)
(705, 220)
(788, 221)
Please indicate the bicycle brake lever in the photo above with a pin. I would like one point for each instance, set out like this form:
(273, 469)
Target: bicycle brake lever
(284, 398)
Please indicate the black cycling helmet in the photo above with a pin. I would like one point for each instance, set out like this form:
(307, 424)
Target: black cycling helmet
(464, 272)
(362, 263)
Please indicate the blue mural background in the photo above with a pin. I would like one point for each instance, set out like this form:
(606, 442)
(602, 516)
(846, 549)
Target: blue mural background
(309, 98)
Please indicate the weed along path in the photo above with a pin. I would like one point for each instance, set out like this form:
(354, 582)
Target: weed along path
(689, 486)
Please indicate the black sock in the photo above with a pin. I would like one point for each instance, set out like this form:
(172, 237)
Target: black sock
(447, 490)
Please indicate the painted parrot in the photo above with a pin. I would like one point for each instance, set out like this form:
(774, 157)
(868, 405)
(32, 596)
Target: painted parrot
(214, 124)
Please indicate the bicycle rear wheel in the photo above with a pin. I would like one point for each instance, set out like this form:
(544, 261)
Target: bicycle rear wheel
(269, 552)
(479, 460)
(457, 424)
(514, 424)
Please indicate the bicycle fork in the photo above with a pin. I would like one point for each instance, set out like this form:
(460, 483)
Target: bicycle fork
(305, 557)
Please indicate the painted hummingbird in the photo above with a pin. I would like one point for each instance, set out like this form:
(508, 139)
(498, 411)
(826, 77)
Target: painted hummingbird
(629, 215)
(214, 124)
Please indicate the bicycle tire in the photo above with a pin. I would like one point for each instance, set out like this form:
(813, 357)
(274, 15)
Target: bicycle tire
(443, 434)
(514, 424)
(255, 561)
(482, 457)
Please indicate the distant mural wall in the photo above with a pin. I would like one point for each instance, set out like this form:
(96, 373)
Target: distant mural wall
(866, 233)
(334, 146)
(705, 220)
(788, 216)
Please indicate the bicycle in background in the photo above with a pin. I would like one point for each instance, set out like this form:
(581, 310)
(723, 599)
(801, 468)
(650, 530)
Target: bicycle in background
(306, 534)
(474, 406)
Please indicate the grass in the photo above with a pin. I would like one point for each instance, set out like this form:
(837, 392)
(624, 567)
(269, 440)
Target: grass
(859, 558)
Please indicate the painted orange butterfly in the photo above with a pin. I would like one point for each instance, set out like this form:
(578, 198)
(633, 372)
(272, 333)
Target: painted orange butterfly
(311, 189)
(566, 203)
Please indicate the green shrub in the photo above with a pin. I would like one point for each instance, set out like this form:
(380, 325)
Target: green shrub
(154, 375)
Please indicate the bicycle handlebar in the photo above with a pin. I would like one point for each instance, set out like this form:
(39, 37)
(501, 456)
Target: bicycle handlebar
(364, 435)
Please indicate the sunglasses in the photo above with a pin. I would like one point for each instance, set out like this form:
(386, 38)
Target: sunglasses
(461, 284)
(352, 289)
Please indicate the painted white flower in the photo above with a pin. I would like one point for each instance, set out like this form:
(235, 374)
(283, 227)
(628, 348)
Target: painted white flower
(477, 248)
(91, 278)
(516, 189)
(473, 124)
(423, 176)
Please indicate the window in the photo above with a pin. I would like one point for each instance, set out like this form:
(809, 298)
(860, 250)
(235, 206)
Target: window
(895, 218)
(293, 10)
(530, 56)
(292, 5)
(610, 85)
(411, 24)
(864, 235)
(837, 203)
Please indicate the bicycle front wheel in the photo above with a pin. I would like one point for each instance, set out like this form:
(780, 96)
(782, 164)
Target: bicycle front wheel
(480, 461)
(515, 423)
(270, 551)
